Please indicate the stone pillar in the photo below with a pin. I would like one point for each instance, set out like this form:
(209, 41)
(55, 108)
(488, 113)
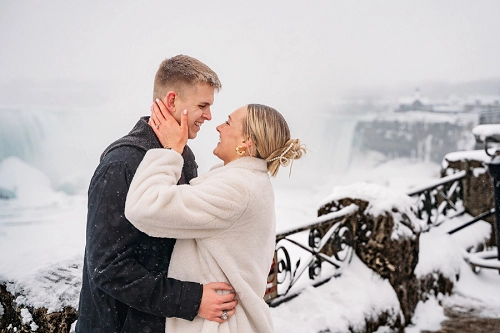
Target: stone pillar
(392, 258)
(477, 186)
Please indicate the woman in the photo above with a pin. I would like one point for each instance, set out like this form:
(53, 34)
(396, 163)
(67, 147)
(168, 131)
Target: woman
(224, 220)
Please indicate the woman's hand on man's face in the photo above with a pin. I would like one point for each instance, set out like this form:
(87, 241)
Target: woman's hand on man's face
(167, 129)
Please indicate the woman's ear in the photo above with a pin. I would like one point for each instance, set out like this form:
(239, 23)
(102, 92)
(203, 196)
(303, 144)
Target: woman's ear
(247, 142)
(250, 147)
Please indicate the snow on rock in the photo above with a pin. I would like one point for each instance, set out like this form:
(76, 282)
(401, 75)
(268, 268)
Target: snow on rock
(53, 287)
(481, 132)
(438, 253)
(428, 315)
(381, 201)
(474, 155)
(28, 319)
(342, 303)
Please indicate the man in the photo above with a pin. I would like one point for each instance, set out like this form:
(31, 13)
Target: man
(125, 286)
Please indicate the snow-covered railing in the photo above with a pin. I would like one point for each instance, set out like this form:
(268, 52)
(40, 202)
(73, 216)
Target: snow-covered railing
(440, 199)
(326, 239)
(329, 238)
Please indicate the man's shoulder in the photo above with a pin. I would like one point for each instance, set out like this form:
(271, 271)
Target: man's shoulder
(128, 156)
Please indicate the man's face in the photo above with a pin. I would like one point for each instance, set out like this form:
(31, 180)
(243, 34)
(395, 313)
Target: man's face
(197, 100)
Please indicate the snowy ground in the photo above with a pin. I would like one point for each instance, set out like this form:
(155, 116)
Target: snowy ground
(43, 232)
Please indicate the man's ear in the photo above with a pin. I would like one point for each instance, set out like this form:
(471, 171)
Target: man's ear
(170, 99)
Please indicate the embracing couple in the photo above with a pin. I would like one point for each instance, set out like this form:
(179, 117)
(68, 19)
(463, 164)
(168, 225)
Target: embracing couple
(168, 250)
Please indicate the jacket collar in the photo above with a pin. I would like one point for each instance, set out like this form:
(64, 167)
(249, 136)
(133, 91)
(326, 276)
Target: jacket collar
(247, 162)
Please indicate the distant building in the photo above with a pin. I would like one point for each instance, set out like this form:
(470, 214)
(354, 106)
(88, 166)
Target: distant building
(482, 103)
(489, 117)
(489, 106)
(414, 103)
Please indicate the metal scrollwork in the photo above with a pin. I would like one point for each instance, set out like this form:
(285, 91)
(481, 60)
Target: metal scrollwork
(341, 244)
(439, 199)
(315, 238)
(307, 249)
(314, 267)
(284, 267)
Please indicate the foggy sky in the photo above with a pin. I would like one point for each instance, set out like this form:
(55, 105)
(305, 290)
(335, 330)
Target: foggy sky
(298, 56)
(260, 49)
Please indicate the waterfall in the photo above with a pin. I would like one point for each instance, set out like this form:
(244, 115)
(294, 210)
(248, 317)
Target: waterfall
(22, 133)
(63, 143)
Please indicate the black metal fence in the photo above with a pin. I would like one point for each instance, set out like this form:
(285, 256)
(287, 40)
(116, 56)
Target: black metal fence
(323, 247)
(440, 200)
(327, 239)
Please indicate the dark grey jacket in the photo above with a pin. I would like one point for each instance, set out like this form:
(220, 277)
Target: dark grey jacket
(125, 286)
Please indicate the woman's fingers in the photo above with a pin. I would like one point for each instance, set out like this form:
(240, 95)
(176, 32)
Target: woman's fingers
(184, 121)
(161, 108)
(154, 116)
(163, 113)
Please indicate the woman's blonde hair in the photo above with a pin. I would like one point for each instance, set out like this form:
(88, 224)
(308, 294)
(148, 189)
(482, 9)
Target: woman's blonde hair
(270, 134)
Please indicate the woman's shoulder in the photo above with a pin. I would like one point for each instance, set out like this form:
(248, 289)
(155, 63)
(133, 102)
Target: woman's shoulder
(243, 171)
(250, 164)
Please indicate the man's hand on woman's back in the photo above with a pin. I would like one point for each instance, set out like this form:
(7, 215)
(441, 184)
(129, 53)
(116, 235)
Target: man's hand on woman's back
(214, 304)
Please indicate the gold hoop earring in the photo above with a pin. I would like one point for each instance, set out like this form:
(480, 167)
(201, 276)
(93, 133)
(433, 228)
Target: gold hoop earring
(240, 150)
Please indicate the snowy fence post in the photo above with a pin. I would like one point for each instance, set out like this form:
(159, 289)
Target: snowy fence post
(478, 192)
(494, 169)
(490, 135)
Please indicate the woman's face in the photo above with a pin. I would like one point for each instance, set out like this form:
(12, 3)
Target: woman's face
(231, 136)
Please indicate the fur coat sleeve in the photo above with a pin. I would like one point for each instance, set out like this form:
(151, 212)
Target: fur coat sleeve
(194, 211)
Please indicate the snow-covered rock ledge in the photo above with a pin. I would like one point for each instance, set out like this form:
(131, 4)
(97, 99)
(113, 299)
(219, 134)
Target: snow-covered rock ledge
(44, 301)
(386, 237)
(42, 240)
(388, 240)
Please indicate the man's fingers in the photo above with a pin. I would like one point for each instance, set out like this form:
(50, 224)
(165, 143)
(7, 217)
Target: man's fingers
(231, 304)
(227, 298)
(213, 303)
(220, 285)
(231, 312)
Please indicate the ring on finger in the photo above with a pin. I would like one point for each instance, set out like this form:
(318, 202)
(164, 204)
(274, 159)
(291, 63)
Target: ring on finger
(224, 315)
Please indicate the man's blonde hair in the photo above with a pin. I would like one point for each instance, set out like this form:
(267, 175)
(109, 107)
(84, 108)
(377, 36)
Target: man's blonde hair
(270, 134)
(182, 71)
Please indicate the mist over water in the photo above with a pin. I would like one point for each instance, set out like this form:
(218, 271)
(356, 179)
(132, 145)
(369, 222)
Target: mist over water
(65, 144)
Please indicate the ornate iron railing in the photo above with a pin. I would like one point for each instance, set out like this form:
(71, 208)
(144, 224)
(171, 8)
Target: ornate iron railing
(440, 200)
(327, 239)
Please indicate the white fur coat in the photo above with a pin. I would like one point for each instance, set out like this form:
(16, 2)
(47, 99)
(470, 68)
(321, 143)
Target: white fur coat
(225, 225)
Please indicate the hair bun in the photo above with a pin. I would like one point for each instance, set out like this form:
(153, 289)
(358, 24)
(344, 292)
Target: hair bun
(293, 150)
